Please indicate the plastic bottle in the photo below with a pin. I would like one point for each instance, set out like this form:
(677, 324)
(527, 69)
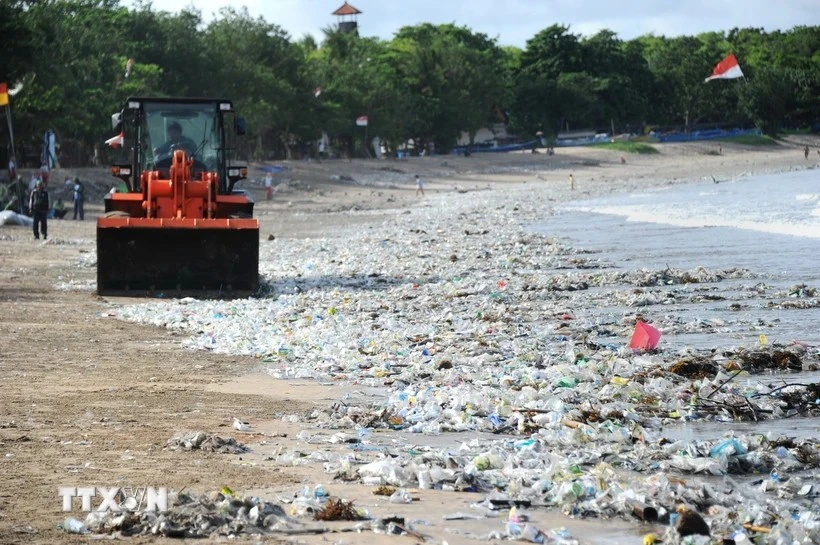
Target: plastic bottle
(74, 526)
(567, 382)
(401, 496)
(425, 479)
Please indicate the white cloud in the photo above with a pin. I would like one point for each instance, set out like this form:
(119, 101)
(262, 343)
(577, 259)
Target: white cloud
(515, 21)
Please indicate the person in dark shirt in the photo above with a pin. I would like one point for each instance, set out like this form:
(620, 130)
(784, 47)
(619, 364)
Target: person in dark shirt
(175, 140)
(39, 206)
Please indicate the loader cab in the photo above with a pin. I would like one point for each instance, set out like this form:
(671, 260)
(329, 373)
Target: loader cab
(205, 129)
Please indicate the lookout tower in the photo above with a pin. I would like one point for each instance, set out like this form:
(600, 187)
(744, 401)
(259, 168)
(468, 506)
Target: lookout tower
(347, 18)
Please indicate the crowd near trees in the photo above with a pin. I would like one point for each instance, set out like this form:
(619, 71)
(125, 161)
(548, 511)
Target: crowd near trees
(429, 83)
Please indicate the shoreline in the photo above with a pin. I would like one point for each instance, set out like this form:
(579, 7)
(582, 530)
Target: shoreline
(335, 273)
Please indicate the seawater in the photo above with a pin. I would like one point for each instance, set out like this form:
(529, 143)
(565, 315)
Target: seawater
(768, 224)
(781, 204)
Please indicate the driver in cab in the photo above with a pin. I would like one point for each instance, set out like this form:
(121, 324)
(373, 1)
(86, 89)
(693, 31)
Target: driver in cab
(175, 141)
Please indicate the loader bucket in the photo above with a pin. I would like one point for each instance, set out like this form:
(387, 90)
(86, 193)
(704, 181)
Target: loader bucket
(177, 256)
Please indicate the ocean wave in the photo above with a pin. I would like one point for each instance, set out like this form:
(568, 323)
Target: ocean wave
(806, 229)
(784, 204)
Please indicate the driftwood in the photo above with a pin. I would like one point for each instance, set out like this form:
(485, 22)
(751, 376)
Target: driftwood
(759, 529)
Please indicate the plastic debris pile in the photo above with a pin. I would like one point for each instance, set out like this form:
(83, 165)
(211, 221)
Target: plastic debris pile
(500, 331)
(193, 516)
(221, 514)
(69, 242)
(75, 285)
(206, 442)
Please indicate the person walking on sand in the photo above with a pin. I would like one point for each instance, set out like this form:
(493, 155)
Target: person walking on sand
(268, 186)
(806, 152)
(419, 186)
(572, 182)
(39, 206)
(79, 199)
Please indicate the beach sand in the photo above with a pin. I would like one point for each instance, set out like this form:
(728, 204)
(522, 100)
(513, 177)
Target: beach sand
(91, 400)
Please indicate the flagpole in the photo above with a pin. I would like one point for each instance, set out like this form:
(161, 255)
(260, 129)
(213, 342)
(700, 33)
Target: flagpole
(14, 155)
(366, 145)
(11, 132)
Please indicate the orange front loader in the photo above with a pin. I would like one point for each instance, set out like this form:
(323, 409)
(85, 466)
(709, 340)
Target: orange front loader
(181, 227)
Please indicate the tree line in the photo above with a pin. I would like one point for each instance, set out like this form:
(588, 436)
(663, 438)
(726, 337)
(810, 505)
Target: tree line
(429, 83)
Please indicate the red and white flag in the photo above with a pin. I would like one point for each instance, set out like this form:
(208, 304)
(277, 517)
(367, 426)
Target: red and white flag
(362, 121)
(728, 68)
(116, 141)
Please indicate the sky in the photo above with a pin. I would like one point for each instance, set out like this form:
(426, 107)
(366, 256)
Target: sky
(513, 22)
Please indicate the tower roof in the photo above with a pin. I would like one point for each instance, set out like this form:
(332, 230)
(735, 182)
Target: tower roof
(346, 9)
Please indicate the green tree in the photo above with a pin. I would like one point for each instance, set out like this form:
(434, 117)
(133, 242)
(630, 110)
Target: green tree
(539, 95)
(255, 63)
(768, 97)
(456, 76)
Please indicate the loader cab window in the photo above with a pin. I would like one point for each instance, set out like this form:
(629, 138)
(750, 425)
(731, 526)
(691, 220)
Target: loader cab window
(190, 127)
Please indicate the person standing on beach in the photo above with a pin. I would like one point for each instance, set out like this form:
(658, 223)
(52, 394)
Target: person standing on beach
(806, 152)
(39, 206)
(572, 182)
(44, 173)
(79, 199)
(419, 186)
(268, 186)
(12, 169)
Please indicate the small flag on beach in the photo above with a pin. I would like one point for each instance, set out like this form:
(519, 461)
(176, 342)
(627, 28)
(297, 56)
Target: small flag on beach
(317, 92)
(362, 121)
(4, 94)
(116, 141)
(728, 68)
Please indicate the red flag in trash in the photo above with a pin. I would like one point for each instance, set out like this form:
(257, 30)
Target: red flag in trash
(645, 337)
